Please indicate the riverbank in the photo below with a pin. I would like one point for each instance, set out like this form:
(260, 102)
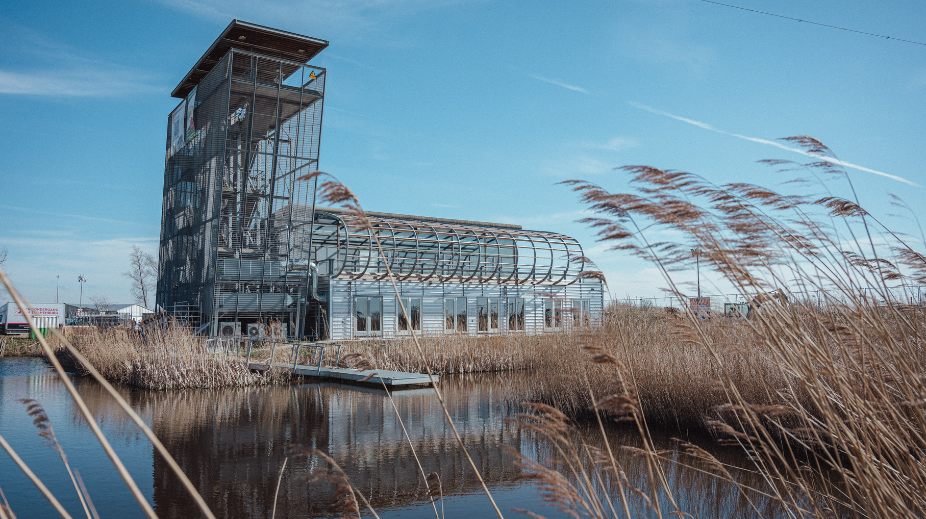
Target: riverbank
(160, 359)
(21, 346)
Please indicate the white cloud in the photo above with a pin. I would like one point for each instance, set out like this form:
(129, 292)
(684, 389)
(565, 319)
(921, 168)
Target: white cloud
(34, 262)
(775, 144)
(355, 17)
(614, 144)
(544, 221)
(49, 68)
(72, 83)
(72, 216)
(577, 166)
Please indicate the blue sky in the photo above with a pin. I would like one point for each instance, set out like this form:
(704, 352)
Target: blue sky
(460, 109)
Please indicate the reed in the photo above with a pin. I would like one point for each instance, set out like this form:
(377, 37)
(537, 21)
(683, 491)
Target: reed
(827, 394)
(166, 357)
(449, 354)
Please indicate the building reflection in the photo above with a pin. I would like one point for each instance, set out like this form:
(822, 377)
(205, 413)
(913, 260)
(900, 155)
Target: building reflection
(232, 444)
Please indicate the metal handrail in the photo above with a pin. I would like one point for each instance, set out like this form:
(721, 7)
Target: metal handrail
(318, 354)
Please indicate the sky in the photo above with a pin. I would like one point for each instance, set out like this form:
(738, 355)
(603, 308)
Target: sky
(468, 109)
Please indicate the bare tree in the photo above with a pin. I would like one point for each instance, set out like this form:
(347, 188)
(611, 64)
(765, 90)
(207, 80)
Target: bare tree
(101, 303)
(143, 270)
(4, 253)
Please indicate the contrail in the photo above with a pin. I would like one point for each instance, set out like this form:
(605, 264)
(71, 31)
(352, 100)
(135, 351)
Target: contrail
(706, 126)
(559, 83)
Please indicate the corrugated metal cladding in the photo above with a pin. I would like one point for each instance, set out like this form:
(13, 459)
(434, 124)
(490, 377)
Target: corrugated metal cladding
(564, 303)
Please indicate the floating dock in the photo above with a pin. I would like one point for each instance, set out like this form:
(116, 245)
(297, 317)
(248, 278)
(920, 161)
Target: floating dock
(392, 379)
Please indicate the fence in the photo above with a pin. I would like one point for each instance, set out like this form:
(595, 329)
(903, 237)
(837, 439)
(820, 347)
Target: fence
(897, 295)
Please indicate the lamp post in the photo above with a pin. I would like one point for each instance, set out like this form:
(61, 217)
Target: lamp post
(81, 279)
(697, 255)
(57, 283)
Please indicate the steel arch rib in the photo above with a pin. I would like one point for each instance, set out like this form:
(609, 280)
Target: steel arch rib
(476, 269)
(550, 269)
(436, 256)
(498, 253)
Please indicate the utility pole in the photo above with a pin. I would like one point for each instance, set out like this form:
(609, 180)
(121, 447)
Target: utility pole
(57, 283)
(81, 279)
(697, 255)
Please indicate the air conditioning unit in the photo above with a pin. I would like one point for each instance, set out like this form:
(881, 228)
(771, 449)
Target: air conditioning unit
(229, 329)
(255, 331)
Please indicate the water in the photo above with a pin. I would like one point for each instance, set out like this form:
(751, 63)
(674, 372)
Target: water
(232, 444)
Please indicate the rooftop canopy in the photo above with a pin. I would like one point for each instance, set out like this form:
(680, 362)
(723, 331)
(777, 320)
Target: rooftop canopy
(254, 38)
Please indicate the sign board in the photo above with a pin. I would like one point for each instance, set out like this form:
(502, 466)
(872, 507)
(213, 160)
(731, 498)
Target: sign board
(177, 130)
(45, 316)
(190, 105)
(700, 307)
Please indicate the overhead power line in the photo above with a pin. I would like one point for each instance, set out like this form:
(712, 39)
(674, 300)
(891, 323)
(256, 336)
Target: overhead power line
(815, 23)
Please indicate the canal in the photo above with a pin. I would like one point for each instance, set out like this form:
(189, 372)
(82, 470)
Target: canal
(232, 444)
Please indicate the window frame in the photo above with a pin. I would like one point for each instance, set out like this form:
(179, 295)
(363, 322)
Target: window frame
(368, 320)
(414, 318)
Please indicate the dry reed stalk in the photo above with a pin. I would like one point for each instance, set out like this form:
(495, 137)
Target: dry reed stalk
(839, 386)
(167, 357)
(41, 421)
(337, 193)
(33, 478)
(81, 405)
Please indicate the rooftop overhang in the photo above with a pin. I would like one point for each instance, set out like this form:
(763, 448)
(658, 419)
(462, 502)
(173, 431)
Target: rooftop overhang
(254, 38)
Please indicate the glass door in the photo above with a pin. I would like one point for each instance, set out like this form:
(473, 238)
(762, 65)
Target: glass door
(368, 316)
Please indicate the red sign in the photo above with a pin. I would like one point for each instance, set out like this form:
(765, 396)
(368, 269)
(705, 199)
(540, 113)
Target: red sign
(700, 307)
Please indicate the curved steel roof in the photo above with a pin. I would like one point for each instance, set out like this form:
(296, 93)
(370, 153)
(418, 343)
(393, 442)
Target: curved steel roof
(422, 249)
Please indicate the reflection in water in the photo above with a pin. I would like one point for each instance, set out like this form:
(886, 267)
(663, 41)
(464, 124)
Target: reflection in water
(232, 443)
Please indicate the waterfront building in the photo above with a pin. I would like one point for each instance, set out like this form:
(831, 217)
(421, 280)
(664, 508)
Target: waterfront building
(244, 245)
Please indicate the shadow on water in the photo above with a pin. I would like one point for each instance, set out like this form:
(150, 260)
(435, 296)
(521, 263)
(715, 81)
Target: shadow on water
(232, 443)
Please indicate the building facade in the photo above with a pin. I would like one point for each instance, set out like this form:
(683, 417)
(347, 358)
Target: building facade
(243, 243)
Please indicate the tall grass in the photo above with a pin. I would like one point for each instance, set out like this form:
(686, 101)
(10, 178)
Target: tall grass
(454, 353)
(165, 357)
(840, 389)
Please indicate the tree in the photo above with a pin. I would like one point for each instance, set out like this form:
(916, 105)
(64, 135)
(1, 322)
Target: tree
(101, 303)
(143, 271)
(4, 253)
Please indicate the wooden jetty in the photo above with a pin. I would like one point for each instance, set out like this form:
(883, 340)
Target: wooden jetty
(392, 379)
(293, 351)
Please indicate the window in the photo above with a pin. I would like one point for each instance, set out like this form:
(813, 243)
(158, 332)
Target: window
(413, 308)
(487, 314)
(455, 313)
(552, 313)
(482, 314)
(449, 313)
(461, 314)
(580, 313)
(516, 313)
(368, 315)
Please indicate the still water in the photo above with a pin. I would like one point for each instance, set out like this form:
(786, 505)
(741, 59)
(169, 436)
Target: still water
(232, 444)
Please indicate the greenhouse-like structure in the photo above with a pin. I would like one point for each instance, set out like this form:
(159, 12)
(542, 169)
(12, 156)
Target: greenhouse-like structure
(243, 245)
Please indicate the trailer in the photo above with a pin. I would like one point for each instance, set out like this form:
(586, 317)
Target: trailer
(47, 316)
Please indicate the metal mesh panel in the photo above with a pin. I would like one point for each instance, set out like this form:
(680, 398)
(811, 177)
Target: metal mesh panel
(227, 223)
